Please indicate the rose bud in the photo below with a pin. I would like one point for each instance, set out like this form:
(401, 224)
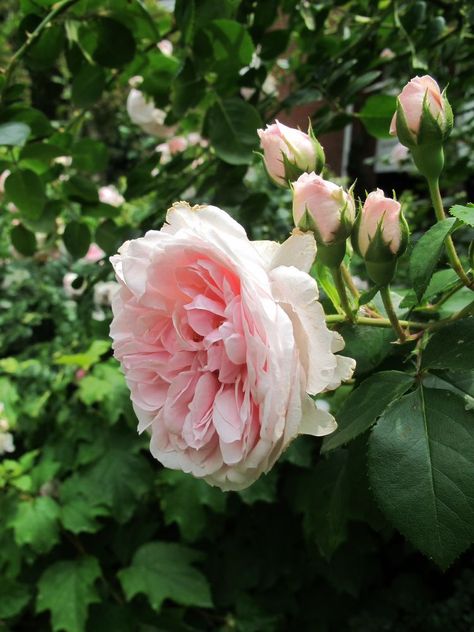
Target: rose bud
(328, 211)
(422, 122)
(380, 236)
(289, 152)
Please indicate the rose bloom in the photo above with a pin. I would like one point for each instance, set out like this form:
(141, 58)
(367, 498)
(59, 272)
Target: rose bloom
(94, 254)
(222, 340)
(411, 99)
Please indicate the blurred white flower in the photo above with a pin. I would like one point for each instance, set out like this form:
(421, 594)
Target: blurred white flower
(166, 47)
(387, 53)
(142, 112)
(6, 442)
(3, 176)
(69, 290)
(66, 161)
(104, 291)
(110, 195)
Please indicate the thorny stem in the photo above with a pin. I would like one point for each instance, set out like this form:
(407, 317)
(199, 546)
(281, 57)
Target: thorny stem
(349, 281)
(385, 322)
(437, 201)
(392, 316)
(341, 290)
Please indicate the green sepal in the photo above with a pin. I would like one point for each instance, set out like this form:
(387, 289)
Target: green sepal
(404, 133)
(379, 250)
(429, 160)
(331, 255)
(448, 114)
(292, 171)
(320, 155)
(431, 130)
(381, 273)
(355, 231)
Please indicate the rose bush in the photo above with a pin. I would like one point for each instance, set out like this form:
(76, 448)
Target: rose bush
(348, 531)
(222, 342)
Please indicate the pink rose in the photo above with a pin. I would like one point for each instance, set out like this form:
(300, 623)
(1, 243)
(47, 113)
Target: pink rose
(386, 213)
(411, 101)
(221, 341)
(177, 144)
(94, 254)
(287, 152)
(324, 207)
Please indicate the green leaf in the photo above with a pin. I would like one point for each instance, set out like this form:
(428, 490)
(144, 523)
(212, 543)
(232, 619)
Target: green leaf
(163, 570)
(88, 85)
(78, 515)
(77, 238)
(322, 496)
(88, 358)
(183, 500)
(118, 479)
(421, 459)
(459, 382)
(15, 596)
(67, 589)
(323, 276)
(232, 127)
(115, 44)
(452, 347)
(26, 191)
(105, 385)
(365, 404)
(14, 134)
(23, 240)
(426, 253)
(377, 113)
(231, 48)
(89, 155)
(369, 346)
(367, 296)
(81, 189)
(109, 236)
(46, 50)
(38, 156)
(36, 523)
(441, 281)
(464, 213)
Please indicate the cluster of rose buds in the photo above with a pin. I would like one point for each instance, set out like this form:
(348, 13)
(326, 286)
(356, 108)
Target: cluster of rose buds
(423, 121)
(379, 234)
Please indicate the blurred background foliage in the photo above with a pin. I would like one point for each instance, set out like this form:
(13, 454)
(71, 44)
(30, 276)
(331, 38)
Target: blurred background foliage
(94, 534)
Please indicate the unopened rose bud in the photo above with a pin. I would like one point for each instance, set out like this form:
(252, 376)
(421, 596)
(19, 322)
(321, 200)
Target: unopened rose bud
(423, 122)
(326, 209)
(380, 235)
(289, 152)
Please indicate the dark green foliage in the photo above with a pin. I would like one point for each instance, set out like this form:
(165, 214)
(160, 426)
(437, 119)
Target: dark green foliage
(94, 534)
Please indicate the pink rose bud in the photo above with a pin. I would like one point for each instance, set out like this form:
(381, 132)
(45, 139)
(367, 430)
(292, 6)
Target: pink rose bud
(289, 152)
(423, 116)
(323, 207)
(380, 235)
